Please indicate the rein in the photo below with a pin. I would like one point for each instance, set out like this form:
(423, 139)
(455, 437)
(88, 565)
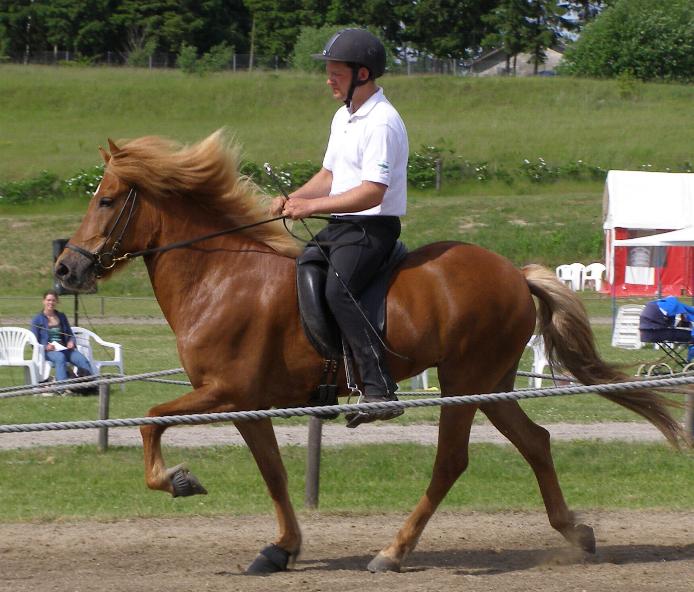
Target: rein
(104, 260)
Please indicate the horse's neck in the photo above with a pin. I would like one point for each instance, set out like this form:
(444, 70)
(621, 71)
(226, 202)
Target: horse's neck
(186, 279)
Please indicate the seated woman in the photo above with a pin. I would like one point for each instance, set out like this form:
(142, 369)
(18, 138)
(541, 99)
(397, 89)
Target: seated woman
(53, 331)
(658, 321)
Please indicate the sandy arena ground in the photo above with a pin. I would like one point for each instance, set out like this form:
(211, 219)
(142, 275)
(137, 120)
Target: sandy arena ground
(476, 552)
(638, 551)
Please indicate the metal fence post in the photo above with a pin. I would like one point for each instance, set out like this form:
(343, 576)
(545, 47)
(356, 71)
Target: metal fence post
(315, 434)
(104, 396)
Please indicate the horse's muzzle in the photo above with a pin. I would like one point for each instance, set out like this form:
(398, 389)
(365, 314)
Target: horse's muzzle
(75, 271)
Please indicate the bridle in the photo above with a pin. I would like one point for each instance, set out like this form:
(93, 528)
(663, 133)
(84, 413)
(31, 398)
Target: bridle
(103, 259)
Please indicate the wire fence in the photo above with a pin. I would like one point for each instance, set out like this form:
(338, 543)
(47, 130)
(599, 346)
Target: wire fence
(239, 62)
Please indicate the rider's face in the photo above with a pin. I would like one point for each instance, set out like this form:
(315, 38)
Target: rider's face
(340, 78)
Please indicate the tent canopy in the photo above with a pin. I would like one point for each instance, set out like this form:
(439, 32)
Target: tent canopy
(656, 201)
(649, 232)
(684, 237)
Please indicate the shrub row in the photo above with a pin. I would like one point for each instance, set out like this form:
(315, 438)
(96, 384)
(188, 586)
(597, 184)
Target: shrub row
(428, 168)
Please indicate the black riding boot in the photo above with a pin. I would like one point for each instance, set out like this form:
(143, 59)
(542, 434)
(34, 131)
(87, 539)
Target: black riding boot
(378, 385)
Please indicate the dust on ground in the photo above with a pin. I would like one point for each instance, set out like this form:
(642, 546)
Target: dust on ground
(638, 551)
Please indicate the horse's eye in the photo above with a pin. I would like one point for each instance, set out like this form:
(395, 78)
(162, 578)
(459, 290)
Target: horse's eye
(105, 202)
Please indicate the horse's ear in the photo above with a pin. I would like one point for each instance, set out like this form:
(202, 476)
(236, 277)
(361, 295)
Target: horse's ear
(105, 155)
(114, 149)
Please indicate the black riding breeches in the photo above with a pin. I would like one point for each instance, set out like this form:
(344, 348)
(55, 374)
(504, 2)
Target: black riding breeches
(357, 246)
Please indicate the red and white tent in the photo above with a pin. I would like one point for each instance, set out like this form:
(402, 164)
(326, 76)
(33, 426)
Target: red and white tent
(643, 257)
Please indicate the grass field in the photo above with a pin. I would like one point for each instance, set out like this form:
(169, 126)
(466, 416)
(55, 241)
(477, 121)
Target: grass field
(54, 118)
(85, 484)
(521, 227)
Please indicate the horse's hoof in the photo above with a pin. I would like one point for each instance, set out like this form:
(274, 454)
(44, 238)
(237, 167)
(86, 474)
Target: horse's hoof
(581, 536)
(271, 559)
(585, 538)
(381, 563)
(184, 483)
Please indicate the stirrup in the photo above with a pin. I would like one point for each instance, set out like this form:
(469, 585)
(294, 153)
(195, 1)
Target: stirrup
(359, 417)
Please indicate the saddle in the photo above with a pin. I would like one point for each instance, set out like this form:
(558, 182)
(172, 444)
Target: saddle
(318, 323)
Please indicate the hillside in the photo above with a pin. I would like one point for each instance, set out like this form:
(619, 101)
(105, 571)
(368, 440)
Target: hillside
(54, 118)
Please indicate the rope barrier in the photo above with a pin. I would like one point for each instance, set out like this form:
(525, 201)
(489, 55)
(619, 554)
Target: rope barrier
(17, 391)
(331, 409)
(9, 392)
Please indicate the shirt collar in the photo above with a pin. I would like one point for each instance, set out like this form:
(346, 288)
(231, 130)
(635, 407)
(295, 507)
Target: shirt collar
(369, 104)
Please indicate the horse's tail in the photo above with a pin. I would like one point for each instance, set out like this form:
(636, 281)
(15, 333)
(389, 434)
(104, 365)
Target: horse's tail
(569, 340)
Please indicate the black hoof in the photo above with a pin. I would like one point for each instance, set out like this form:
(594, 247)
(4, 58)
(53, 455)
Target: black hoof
(185, 483)
(271, 559)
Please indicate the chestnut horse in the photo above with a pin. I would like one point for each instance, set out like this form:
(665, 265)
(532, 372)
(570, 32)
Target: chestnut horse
(231, 301)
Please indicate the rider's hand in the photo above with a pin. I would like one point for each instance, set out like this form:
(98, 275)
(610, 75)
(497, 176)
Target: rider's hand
(277, 205)
(297, 208)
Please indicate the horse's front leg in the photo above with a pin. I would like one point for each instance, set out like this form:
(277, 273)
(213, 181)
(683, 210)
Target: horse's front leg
(260, 437)
(178, 481)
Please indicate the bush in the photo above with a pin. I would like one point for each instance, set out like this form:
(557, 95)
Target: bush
(187, 58)
(85, 182)
(646, 39)
(139, 56)
(215, 60)
(44, 187)
(290, 176)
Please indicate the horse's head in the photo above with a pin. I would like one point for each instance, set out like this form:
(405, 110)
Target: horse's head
(105, 234)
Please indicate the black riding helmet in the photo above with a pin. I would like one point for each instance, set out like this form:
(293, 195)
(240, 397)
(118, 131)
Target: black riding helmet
(357, 47)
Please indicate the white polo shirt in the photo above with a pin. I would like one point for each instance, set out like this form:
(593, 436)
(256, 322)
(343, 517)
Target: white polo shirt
(370, 145)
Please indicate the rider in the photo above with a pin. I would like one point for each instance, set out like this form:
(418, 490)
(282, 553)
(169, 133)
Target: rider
(363, 185)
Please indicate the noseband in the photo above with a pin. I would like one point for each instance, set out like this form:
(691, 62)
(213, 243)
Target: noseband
(103, 259)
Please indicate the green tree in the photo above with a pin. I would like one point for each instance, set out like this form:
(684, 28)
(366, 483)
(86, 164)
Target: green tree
(83, 27)
(544, 26)
(166, 23)
(447, 28)
(276, 24)
(382, 17)
(647, 39)
(509, 21)
(24, 24)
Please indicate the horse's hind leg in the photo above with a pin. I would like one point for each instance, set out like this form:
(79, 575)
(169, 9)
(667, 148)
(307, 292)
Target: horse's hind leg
(532, 441)
(260, 437)
(451, 461)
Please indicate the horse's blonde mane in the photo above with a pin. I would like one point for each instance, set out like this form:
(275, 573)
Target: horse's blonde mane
(207, 172)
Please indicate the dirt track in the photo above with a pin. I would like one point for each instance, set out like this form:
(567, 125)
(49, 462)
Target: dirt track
(334, 434)
(476, 552)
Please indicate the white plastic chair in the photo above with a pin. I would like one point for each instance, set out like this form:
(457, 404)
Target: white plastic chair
(626, 327)
(594, 273)
(565, 275)
(83, 341)
(578, 270)
(13, 344)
